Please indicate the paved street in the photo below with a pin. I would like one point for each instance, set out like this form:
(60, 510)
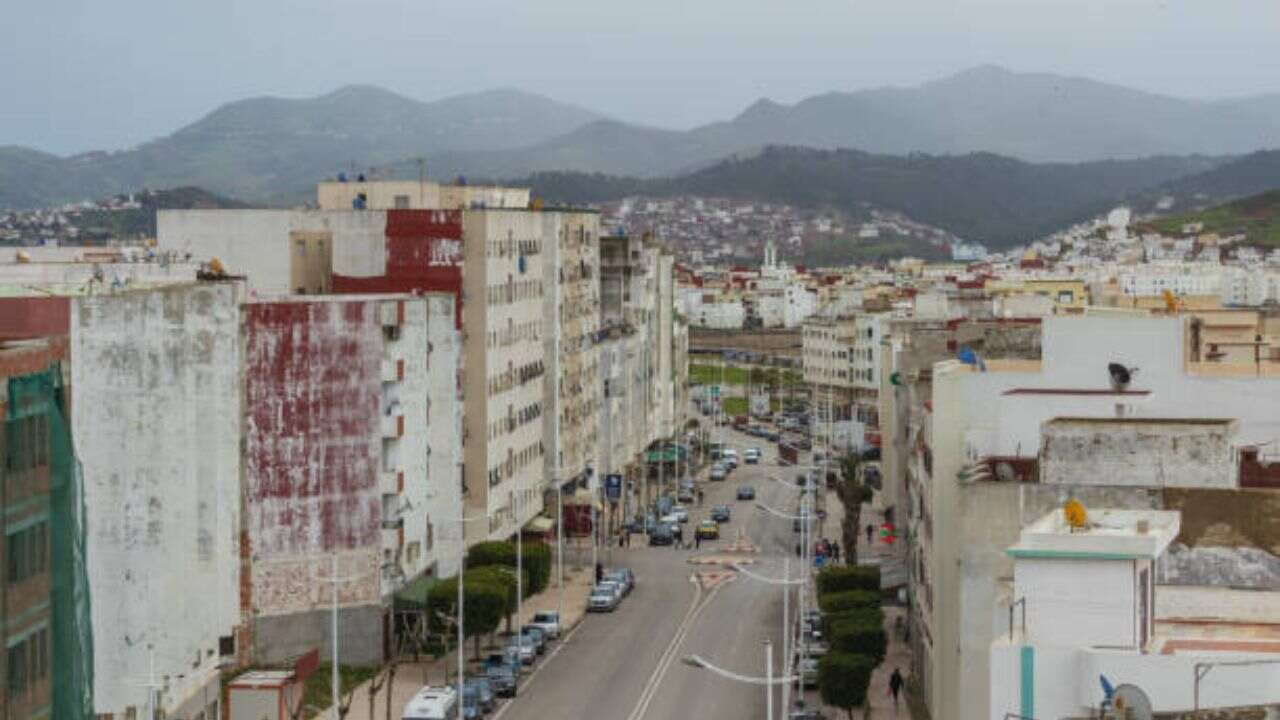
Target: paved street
(627, 665)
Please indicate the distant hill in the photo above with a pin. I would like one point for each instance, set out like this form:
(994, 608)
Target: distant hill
(274, 149)
(1030, 116)
(1257, 217)
(979, 197)
(267, 148)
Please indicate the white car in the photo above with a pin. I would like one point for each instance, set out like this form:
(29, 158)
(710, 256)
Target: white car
(548, 623)
(680, 514)
(751, 456)
(432, 703)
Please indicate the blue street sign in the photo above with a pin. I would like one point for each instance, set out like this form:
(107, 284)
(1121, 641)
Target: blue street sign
(613, 487)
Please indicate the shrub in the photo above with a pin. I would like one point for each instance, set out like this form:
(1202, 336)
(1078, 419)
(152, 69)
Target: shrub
(838, 602)
(871, 616)
(850, 577)
(537, 561)
(859, 635)
(843, 680)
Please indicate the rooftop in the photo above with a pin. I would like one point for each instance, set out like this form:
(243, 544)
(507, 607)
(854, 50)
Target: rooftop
(1106, 535)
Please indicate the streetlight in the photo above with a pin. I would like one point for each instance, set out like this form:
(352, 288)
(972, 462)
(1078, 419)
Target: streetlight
(334, 680)
(786, 582)
(462, 559)
(768, 680)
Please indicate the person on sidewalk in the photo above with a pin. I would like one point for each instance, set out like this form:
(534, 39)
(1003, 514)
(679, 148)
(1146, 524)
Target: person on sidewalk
(697, 541)
(870, 529)
(835, 551)
(895, 687)
(599, 573)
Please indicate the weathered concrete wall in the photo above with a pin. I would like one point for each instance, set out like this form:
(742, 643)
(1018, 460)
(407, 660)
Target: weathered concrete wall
(312, 455)
(441, 493)
(283, 637)
(31, 317)
(156, 419)
(255, 243)
(1227, 538)
(1152, 452)
(784, 343)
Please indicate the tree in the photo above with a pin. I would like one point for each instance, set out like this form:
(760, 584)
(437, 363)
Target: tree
(843, 680)
(836, 602)
(486, 605)
(860, 633)
(838, 578)
(537, 561)
(852, 495)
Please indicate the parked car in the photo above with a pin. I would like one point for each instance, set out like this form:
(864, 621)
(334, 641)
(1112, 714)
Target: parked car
(509, 657)
(524, 645)
(623, 577)
(432, 703)
(539, 638)
(771, 436)
(720, 513)
(805, 713)
(603, 599)
(708, 530)
(680, 514)
(685, 495)
(484, 688)
(502, 678)
(472, 708)
(746, 492)
(548, 623)
(806, 672)
(718, 472)
(730, 463)
(751, 456)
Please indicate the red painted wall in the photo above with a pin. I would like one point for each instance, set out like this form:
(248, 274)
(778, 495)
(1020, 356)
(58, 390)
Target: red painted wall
(31, 317)
(424, 254)
(313, 448)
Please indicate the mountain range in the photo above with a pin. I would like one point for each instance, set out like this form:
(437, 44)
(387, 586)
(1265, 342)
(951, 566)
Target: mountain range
(986, 120)
(990, 198)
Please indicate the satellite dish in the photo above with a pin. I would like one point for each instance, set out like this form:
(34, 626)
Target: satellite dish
(1121, 376)
(1076, 516)
(1131, 703)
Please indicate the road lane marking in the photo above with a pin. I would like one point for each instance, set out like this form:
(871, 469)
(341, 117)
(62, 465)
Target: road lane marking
(669, 656)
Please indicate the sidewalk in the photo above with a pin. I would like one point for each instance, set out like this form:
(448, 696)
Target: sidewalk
(897, 655)
(897, 652)
(411, 676)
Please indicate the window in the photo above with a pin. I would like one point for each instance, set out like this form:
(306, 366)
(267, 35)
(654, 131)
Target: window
(402, 202)
(27, 552)
(28, 662)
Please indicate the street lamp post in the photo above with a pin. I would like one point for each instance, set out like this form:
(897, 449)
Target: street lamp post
(768, 680)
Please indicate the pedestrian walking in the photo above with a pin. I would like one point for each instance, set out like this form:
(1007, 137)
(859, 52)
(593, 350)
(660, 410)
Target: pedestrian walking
(835, 551)
(599, 573)
(870, 529)
(895, 687)
(697, 541)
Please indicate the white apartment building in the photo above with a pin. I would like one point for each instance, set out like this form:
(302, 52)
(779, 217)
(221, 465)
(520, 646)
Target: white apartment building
(980, 458)
(416, 195)
(573, 314)
(505, 291)
(1178, 278)
(1090, 611)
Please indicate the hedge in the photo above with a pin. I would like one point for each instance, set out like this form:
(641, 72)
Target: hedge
(843, 679)
(537, 561)
(485, 606)
(850, 577)
(837, 602)
(867, 615)
(859, 635)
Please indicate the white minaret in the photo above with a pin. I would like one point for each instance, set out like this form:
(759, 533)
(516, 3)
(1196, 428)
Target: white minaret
(770, 254)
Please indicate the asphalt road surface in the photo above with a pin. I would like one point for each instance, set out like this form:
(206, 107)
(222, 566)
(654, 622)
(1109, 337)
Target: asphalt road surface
(626, 665)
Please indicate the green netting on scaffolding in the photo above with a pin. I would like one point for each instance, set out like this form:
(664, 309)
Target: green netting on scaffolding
(37, 433)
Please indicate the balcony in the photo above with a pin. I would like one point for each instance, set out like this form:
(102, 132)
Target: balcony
(392, 370)
(393, 426)
(391, 482)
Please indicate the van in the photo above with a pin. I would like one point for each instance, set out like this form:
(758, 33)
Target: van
(432, 703)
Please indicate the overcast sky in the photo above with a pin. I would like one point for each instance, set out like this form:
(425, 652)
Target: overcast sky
(88, 74)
